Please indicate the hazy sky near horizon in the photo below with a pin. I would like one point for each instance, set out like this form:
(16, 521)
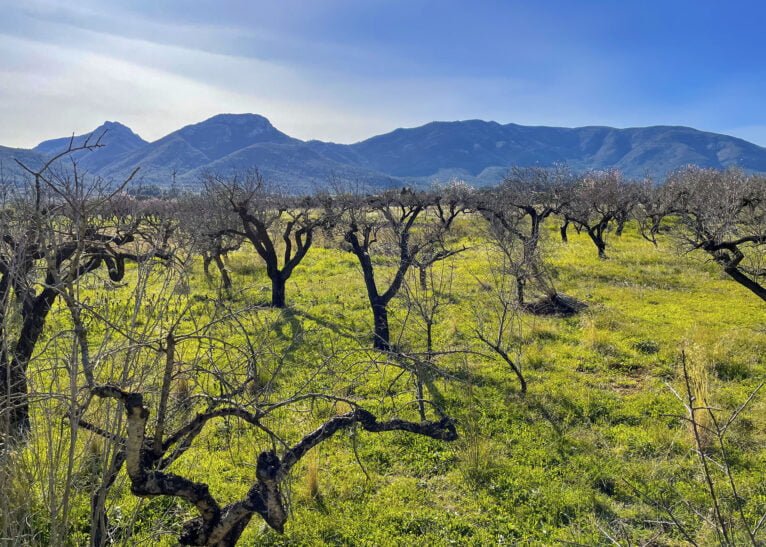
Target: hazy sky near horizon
(344, 70)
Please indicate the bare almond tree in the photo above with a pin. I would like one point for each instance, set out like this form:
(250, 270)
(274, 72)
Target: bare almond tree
(375, 222)
(209, 228)
(723, 213)
(446, 204)
(147, 456)
(596, 201)
(274, 223)
(57, 226)
(499, 321)
(655, 203)
(516, 211)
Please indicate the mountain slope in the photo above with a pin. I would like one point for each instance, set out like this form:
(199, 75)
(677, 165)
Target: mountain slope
(292, 165)
(474, 146)
(116, 139)
(10, 169)
(196, 145)
(477, 151)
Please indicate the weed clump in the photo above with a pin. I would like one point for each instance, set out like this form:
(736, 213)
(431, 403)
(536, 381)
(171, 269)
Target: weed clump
(558, 304)
(647, 347)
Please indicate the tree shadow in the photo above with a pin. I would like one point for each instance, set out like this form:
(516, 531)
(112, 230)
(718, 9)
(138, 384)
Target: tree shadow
(287, 320)
(546, 409)
(330, 325)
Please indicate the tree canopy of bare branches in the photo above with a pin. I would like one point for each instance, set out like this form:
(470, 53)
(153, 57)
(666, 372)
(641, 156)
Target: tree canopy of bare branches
(723, 213)
(274, 223)
(57, 226)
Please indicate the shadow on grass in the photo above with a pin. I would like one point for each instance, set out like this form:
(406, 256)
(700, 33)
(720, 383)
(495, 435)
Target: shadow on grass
(331, 325)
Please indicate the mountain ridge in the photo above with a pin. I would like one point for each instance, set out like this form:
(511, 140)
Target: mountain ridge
(114, 140)
(476, 150)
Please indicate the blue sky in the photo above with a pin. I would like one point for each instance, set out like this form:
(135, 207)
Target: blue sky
(344, 70)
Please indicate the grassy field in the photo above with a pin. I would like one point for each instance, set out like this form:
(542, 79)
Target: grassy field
(568, 463)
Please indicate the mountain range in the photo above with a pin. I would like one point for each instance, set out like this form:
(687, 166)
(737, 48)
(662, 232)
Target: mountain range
(476, 151)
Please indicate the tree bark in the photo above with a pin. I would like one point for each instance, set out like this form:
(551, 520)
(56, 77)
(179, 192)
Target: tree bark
(223, 526)
(757, 289)
(381, 333)
(206, 259)
(598, 240)
(225, 277)
(14, 378)
(520, 284)
(278, 284)
(601, 249)
(620, 227)
(14, 405)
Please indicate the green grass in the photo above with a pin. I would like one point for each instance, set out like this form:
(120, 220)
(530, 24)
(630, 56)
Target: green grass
(555, 466)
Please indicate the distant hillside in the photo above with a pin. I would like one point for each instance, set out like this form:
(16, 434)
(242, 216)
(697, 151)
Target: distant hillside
(8, 157)
(475, 146)
(117, 140)
(197, 145)
(477, 151)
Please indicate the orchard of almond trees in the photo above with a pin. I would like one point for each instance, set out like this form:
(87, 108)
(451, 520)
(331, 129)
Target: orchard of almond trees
(562, 358)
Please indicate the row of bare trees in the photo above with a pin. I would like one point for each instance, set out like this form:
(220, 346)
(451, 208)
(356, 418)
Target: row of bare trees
(720, 212)
(390, 233)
